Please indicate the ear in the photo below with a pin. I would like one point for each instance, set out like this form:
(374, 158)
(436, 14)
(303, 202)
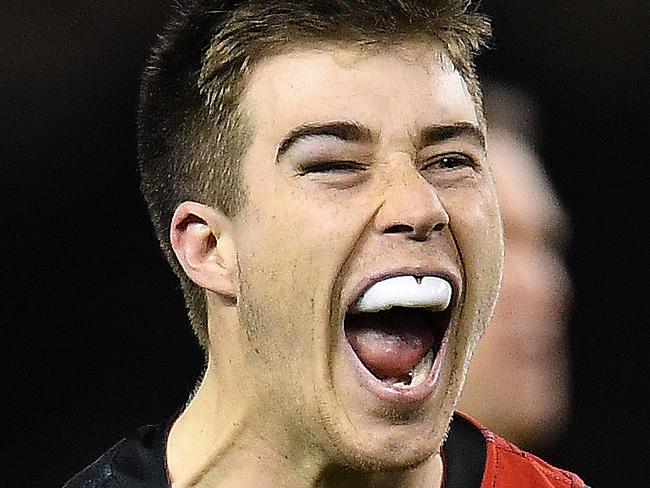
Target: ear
(202, 240)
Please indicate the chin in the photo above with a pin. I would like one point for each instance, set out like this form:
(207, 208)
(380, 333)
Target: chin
(373, 426)
(387, 450)
(386, 445)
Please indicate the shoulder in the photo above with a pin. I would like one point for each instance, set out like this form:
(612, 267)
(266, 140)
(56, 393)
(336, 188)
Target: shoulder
(135, 461)
(506, 465)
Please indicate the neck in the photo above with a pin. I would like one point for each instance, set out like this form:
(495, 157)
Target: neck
(216, 442)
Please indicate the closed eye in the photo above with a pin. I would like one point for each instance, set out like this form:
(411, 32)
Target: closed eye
(332, 167)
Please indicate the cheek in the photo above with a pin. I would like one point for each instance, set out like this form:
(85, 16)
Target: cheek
(308, 231)
(476, 226)
(291, 251)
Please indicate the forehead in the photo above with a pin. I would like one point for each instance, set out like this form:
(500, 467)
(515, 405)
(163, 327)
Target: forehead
(388, 89)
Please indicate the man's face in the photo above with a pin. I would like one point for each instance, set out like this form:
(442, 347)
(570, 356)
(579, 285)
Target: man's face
(363, 165)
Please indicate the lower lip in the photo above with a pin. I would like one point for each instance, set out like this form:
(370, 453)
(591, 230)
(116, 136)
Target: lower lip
(403, 395)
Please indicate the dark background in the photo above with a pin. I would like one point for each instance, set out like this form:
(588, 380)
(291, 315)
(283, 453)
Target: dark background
(95, 327)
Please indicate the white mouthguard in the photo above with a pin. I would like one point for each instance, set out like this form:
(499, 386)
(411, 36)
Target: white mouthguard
(405, 291)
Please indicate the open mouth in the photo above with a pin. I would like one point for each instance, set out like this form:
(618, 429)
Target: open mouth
(396, 329)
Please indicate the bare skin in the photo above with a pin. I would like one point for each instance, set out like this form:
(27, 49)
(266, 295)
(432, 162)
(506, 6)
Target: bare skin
(283, 402)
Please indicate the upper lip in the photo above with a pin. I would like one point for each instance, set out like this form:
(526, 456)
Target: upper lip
(355, 293)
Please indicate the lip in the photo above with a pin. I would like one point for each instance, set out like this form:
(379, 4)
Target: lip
(390, 393)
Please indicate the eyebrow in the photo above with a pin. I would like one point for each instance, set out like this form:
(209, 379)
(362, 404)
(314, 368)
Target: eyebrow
(436, 134)
(354, 132)
(343, 130)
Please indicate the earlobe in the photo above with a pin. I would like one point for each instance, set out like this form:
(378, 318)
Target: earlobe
(202, 241)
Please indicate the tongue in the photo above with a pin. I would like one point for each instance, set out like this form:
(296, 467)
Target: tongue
(390, 343)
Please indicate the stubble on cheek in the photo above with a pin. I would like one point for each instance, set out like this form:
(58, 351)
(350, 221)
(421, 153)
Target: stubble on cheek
(485, 266)
(478, 235)
(278, 319)
(276, 313)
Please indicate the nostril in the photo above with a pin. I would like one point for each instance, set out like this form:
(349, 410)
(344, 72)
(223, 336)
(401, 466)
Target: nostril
(407, 229)
(399, 229)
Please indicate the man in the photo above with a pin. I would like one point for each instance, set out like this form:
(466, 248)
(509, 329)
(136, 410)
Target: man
(316, 173)
(518, 381)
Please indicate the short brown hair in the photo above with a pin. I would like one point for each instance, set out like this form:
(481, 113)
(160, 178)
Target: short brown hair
(191, 132)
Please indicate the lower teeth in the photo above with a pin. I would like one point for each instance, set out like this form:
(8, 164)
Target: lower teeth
(418, 374)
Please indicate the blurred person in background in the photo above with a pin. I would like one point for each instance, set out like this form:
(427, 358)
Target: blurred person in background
(518, 383)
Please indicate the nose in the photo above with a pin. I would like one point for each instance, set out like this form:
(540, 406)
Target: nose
(411, 207)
